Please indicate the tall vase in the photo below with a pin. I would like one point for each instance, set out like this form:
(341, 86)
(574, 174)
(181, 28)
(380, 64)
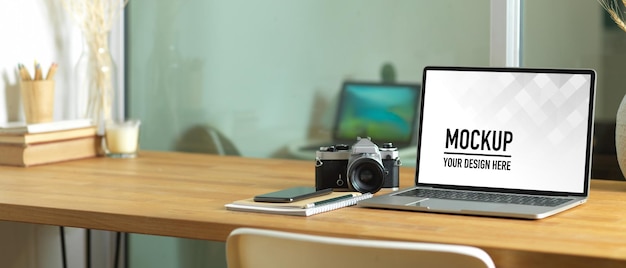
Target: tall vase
(620, 135)
(95, 71)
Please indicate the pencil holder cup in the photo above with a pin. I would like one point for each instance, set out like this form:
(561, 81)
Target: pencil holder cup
(38, 100)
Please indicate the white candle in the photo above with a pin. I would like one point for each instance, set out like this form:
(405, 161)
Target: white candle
(122, 137)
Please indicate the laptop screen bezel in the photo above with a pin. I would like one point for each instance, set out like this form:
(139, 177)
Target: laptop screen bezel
(409, 140)
(590, 127)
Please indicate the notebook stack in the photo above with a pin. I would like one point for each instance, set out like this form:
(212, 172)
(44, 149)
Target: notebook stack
(43, 143)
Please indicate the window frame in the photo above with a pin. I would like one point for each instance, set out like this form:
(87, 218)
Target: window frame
(505, 33)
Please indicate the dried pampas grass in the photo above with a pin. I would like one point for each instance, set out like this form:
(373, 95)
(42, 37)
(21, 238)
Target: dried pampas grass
(614, 8)
(95, 19)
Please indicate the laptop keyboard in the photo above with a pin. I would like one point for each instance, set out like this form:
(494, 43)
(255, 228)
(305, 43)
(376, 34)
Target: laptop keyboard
(487, 197)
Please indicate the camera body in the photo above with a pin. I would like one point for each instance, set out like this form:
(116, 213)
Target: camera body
(364, 167)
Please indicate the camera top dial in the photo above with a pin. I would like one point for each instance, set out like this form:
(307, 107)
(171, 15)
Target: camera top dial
(388, 146)
(333, 152)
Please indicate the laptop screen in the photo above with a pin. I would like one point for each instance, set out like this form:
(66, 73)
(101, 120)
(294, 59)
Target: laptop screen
(383, 112)
(506, 128)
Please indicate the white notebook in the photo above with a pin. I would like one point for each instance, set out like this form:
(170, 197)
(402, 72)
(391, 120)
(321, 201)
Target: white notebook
(286, 209)
(23, 128)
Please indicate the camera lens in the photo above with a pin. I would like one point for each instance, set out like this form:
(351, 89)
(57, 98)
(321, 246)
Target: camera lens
(366, 175)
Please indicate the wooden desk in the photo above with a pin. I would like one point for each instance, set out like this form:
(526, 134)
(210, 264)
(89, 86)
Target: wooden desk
(183, 195)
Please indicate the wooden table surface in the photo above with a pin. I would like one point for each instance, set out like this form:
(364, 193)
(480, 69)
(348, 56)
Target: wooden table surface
(183, 195)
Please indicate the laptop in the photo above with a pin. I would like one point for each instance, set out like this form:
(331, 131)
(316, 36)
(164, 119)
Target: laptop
(385, 112)
(505, 142)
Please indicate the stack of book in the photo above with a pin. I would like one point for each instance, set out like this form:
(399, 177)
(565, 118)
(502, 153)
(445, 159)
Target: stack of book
(306, 207)
(36, 144)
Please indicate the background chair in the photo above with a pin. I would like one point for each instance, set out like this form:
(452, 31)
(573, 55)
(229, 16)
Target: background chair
(206, 139)
(254, 248)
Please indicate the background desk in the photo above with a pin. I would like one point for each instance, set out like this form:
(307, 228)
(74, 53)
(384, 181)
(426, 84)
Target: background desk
(183, 195)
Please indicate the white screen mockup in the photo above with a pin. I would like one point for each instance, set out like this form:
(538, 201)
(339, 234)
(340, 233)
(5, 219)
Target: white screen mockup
(512, 130)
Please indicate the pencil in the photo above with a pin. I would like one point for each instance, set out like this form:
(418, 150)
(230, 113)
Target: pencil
(38, 75)
(52, 71)
(21, 71)
(24, 72)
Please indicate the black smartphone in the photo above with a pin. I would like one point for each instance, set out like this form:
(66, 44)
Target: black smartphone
(291, 194)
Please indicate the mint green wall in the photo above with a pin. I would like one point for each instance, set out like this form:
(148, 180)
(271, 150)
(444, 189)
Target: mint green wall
(148, 251)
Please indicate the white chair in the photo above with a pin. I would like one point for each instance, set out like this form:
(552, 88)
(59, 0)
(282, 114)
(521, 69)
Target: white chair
(255, 248)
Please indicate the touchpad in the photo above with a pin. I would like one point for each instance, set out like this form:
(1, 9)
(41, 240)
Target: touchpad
(439, 204)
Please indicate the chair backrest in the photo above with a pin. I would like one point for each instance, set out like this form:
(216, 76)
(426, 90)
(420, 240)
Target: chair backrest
(206, 139)
(255, 248)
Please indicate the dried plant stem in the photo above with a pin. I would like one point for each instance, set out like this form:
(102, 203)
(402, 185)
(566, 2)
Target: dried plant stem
(614, 8)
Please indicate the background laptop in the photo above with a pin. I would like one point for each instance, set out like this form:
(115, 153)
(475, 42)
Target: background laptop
(383, 112)
(521, 137)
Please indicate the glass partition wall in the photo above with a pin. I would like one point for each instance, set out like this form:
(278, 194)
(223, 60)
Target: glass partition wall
(255, 78)
(265, 74)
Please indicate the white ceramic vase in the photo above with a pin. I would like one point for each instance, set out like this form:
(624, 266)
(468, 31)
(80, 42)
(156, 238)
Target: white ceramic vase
(620, 135)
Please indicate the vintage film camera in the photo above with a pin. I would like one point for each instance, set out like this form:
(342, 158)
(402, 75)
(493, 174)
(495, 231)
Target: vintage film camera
(363, 168)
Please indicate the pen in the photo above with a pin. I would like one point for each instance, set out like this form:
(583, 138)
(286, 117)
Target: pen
(348, 196)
